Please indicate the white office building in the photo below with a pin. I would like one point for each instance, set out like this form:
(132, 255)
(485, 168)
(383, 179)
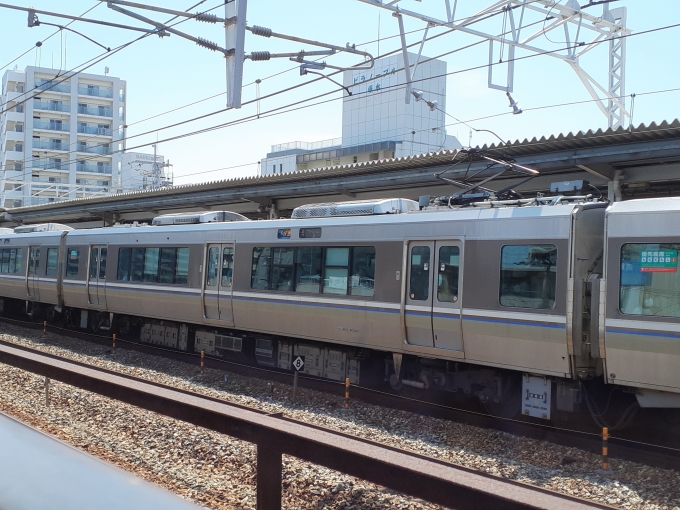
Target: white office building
(140, 171)
(377, 122)
(61, 136)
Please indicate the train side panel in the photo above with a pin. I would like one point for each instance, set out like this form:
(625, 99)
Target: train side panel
(642, 325)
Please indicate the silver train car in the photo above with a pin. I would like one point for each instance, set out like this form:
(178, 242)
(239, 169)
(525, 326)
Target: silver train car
(519, 304)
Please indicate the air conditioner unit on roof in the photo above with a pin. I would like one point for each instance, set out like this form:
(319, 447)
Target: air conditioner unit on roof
(356, 208)
(198, 217)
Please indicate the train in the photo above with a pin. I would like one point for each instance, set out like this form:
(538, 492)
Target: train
(528, 305)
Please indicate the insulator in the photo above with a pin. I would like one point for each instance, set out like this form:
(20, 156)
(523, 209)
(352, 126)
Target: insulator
(207, 44)
(206, 17)
(260, 55)
(263, 31)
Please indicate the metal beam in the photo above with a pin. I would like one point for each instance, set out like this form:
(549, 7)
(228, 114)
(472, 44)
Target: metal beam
(86, 20)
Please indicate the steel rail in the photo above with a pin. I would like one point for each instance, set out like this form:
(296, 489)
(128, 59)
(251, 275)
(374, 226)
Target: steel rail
(431, 480)
(623, 448)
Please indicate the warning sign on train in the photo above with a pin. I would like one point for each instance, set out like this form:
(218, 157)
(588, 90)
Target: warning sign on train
(299, 363)
(659, 261)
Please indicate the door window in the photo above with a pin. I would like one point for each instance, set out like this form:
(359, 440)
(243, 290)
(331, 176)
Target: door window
(227, 266)
(34, 263)
(102, 263)
(449, 263)
(419, 281)
(213, 264)
(94, 259)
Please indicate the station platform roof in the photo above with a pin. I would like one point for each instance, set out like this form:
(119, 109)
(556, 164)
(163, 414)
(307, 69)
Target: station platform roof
(645, 160)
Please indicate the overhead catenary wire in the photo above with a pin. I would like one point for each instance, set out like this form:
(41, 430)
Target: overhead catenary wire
(103, 56)
(301, 85)
(296, 86)
(277, 111)
(308, 99)
(48, 37)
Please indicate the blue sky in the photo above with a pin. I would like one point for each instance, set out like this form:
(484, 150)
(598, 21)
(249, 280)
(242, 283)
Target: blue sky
(165, 74)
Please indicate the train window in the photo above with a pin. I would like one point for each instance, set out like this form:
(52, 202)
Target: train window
(312, 269)
(182, 268)
(336, 271)
(282, 269)
(308, 270)
(227, 266)
(123, 264)
(362, 280)
(94, 258)
(72, 260)
(10, 260)
(447, 281)
(260, 270)
(650, 283)
(102, 262)
(213, 264)
(419, 280)
(151, 264)
(168, 264)
(17, 260)
(51, 266)
(164, 265)
(528, 276)
(4, 266)
(136, 264)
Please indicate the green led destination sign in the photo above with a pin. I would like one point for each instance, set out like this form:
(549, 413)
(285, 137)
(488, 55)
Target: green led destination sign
(659, 261)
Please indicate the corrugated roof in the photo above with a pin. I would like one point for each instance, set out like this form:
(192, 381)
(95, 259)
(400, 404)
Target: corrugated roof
(535, 146)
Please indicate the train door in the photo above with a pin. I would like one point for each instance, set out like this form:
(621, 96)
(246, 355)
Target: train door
(432, 308)
(32, 272)
(96, 276)
(418, 309)
(219, 266)
(446, 296)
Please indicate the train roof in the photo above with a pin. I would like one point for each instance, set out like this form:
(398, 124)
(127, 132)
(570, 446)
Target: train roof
(663, 205)
(459, 214)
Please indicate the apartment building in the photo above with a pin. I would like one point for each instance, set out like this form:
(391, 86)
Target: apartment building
(61, 136)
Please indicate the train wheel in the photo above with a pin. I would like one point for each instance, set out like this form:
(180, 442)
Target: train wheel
(511, 399)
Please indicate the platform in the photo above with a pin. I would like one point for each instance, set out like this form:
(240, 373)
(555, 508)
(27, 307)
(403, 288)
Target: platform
(38, 471)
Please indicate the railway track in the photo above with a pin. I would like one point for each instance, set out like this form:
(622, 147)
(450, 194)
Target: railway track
(630, 446)
(410, 473)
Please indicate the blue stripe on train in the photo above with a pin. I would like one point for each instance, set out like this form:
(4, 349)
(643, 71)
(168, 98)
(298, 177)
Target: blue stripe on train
(642, 333)
(517, 323)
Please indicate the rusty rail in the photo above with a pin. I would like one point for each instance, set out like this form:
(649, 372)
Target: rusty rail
(429, 479)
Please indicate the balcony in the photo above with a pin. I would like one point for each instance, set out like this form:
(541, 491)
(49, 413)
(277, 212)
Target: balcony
(50, 145)
(50, 125)
(52, 86)
(94, 149)
(50, 106)
(95, 91)
(100, 111)
(100, 169)
(50, 165)
(95, 130)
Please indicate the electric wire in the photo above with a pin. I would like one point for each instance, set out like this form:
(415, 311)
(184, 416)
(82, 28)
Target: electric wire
(103, 56)
(382, 91)
(49, 37)
(295, 87)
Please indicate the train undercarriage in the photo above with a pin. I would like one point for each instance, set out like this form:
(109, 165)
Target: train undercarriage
(503, 393)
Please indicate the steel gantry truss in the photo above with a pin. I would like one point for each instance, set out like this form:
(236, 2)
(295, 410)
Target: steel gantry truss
(577, 24)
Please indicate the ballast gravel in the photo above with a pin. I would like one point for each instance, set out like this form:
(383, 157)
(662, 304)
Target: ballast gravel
(218, 472)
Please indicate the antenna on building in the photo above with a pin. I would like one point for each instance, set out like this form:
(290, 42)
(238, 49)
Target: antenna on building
(106, 71)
